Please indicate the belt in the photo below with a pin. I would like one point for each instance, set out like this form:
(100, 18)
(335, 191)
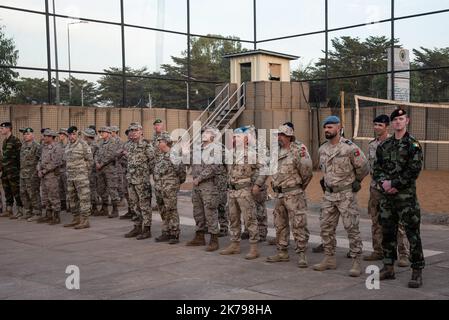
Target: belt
(284, 190)
(338, 189)
(233, 186)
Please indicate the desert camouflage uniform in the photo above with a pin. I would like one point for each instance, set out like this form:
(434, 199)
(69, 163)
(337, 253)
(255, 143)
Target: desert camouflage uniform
(30, 154)
(50, 166)
(108, 176)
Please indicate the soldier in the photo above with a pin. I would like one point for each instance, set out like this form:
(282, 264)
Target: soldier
(63, 174)
(11, 169)
(123, 162)
(344, 166)
(114, 134)
(48, 170)
(223, 208)
(140, 156)
(30, 154)
(245, 180)
(205, 192)
(381, 124)
(106, 165)
(398, 164)
(293, 175)
(79, 161)
(169, 173)
(158, 127)
(89, 136)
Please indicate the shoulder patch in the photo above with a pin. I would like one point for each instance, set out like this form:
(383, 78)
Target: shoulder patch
(357, 153)
(349, 142)
(416, 145)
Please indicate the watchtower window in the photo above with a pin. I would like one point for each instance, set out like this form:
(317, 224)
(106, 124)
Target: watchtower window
(274, 72)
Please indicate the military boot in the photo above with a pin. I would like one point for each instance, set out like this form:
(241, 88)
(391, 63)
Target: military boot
(387, 273)
(213, 243)
(374, 256)
(281, 256)
(355, 270)
(198, 240)
(7, 213)
(164, 237)
(104, 210)
(84, 223)
(56, 219)
(173, 239)
(244, 235)
(416, 280)
(233, 248)
(34, 218)
(403, 261)
(329, 262)
(146, 233)
(17, 215)
(114, 213)
(27, 215)
(76, 220)
(47, 218)
(134, 232)
(253, 252)
(302, 260)
(95, 211)
(318, 249)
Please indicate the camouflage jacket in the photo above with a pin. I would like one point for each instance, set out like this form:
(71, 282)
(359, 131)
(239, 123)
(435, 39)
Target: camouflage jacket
(342, 163)
(94, 148)
(244, 173)
(11, 156)
(106, 156)
(51, 159)
(140, 162)
(294, 168)
(168, 170)
(399, 161)
(78, 159)
(208, 171)
(30, 154)
(372, 147)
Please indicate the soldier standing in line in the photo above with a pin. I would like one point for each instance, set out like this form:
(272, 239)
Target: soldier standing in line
(11, 169)
(344, 166)
(398, 163)
(89, 136)
(123, 162)
(48, 170)
(63, 140)
(30, 154)
(158, 128)
(79, 161)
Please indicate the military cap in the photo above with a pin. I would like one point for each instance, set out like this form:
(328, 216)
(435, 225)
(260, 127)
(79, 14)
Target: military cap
(135, 126)
(49, 133)
(114, 129)
(331, 120)
(397, 113)
(165, 136)
(92, 126)
(72, 129)
(6, 125)
(383, 118)
(89, 132)
(157, 121)
(289, 124)
(26, 130)
(105, 129)
(287, 130)
(43, 130)
(62, 131)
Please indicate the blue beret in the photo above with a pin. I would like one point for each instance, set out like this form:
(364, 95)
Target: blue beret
(331, 120)
(383, 118)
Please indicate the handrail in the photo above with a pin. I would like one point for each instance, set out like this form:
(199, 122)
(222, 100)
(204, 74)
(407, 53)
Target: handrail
(237, 102)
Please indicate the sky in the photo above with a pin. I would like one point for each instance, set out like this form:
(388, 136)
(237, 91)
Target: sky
(96, 46)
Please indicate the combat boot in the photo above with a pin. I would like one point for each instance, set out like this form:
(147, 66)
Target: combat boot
(318, 249)
(7, 213)
(146, 233)
(134, 232)
(244, 235)
(104, 210)
(329, 262)
(95, 211)
(416, 280)
(302, 260)
(253, 252)
(34, 218)
(374, 256)
(403, 261)
(84, 223)
(281, 256)
(56, 219)
(387, 273)
(198, 240)
(173, 240)
(114, 213)
(164, 237)
(355, 270)
(233, 248)
(17, 215)
(76, 220)
(47, 218)
(213, 243)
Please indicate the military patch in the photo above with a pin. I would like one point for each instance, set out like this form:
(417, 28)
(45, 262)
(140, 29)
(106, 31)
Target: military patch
(302, 153)
(349, 142)
(357, 153)
(416, 145)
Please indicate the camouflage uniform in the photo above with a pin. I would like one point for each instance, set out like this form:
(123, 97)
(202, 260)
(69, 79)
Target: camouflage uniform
(140, 167)
(93, 177)
(289, 182)
(11, 171)
(401, 162)
(30, 154)
(50, 168)
(373, 210)
(78, 159)
(342, 164)
(63, 180)
(223, 208)
(108, 176)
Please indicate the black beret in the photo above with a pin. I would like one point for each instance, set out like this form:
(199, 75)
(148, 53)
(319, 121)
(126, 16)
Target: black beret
(289, 124)
(383, 118)
(72, 129)
(397, 113)
(6, 125)
(92, 126)
(43, 130)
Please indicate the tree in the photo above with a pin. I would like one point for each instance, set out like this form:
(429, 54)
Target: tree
(89, 92)
(30, 91)
(8, 57)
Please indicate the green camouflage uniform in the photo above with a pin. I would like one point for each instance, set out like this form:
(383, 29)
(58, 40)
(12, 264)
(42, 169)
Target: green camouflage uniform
(11, 170)
(30, 154)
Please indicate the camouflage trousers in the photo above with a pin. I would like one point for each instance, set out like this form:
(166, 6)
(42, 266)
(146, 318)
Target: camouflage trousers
(30, 195)
(376, 229)
(140, 203)
(223, 210)
(78, 194)
(261, 213)
(401, 208)
(342, 204)
(93, 187)
(204, 199)
(167, 203)
(123, 186)
(290, 213)
(11, 186)
(107, 186)
(241, 203)
(63, 187)
(50, 192)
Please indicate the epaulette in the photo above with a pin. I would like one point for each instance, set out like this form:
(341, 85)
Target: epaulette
(349, 142)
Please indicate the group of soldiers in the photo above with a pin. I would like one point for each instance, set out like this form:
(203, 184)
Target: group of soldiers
(103, 168)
